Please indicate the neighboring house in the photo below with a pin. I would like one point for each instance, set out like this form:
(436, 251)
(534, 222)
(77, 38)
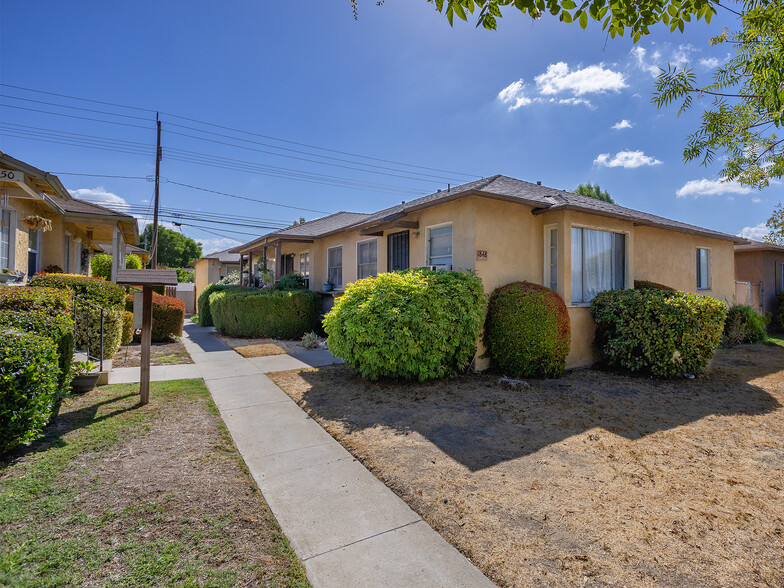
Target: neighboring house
(213, 267)
(78, 230)
(509, 230)
(759, 271)
(143, 254)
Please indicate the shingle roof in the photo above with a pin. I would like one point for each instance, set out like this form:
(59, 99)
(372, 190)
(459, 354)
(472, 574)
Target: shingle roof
(80, 207)
(758, 246)
(224, 256)
(312, 229)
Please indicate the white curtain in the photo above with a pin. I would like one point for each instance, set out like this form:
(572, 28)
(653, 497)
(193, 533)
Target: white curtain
(597, 256)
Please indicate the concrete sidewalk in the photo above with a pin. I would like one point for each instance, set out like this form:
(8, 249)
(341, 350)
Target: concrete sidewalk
(347, 527)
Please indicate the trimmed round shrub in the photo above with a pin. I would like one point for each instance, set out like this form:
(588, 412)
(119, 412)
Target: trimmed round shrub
(101, 266)
(646, 285)
(168, 316)
(132, 261)
(527, 331)
(127, 328)
(416, 324)
(50, 300)
(664, 334)
(28, 386)
(265, 313)
(744, 325)
(96, 290)
(59, 328)
(205, 315)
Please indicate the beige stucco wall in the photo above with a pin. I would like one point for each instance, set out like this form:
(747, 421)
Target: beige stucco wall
(760, 267)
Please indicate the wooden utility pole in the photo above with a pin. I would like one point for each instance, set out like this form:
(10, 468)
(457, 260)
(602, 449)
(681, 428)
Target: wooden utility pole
(154, 260)
(144, 388)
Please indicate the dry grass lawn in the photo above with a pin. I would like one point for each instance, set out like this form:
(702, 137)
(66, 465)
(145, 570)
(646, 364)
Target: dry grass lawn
(596, 479)
(261, 347)
(164, 353)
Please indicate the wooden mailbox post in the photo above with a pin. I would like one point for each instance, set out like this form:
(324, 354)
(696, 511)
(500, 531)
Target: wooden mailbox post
(146, 279)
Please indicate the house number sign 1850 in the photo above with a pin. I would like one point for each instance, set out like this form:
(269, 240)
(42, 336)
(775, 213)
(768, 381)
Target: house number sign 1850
(481, 255)
(11, 175)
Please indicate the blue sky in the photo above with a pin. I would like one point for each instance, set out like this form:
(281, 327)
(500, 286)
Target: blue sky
(398, 84)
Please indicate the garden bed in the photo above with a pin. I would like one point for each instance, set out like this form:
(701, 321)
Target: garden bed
(168, 353)
(122, 495)
(593, 479)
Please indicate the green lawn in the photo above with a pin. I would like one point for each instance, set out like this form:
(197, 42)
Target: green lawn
(776, 339)
(123, 495)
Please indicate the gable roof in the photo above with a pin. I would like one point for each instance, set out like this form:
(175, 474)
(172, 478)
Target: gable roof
(224, 256)
(42, 179)
(752, 245)
(77, 207)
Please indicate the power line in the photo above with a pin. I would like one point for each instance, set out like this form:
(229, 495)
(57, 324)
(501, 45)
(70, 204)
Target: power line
(269, 137)
(110, 122)
(74, 107)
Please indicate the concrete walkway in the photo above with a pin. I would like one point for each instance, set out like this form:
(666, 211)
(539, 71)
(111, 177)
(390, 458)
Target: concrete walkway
(346, 526)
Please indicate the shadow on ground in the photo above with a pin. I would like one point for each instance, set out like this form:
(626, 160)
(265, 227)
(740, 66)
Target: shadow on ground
(480, 424)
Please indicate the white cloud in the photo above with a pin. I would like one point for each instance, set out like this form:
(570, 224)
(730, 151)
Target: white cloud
(627, 159)
(99, 195)
(588, 80)
(682, 55)
(514, 95)
(650, 65)
(574, 101)
(758, 233)
(705, 187)
(756, 200)
(217, 244)
(709, 62)
(624, 124)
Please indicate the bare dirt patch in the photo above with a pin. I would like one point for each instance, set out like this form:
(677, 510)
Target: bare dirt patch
(261, 347)
(596, 479)
(165, 353)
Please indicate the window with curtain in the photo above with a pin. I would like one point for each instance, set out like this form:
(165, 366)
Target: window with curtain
(551, 261)
(440, 246)
(335, 266)
(703, 269)
(598, 263)
(367, 259)
(5, 238)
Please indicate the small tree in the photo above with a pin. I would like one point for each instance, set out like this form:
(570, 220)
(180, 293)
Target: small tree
(776, 225)
(594, 191)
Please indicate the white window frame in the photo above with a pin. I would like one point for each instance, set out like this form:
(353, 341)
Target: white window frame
(11, 236)
(546, 277)
(371, 239)
(336, 286)
(627, 243)
(710, 271)
(779, 276)
(37, 249)
(427, 242)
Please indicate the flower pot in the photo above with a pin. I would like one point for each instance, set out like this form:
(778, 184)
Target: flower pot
(84, 383)
(5, 277)
(327, 287)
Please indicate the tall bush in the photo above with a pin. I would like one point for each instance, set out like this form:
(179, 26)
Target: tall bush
(527, 331)
(96, 290)
(132, 261)
(28, 386)
(168, 316)
(205, 316)
(59, 328)
(292, 281)
(744, 325)
(50, 300)
(101, 266)
(780, 311)
(417, 324)
(665, 334)
(265, 313)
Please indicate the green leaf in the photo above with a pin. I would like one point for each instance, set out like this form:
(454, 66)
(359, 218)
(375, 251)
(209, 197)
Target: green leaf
(568, 4)
(583, 20)
(566, 17)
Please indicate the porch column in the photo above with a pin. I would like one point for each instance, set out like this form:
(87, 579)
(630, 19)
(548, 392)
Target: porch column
(115, 255)
(242, 278)
(250, 268)
(77, 256)
(277, 261)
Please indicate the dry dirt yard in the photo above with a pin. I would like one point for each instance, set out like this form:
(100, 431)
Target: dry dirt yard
(595, 479)
(165, 353)
(261, 347)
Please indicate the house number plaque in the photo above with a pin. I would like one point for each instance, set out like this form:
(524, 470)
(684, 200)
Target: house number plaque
(481, 255)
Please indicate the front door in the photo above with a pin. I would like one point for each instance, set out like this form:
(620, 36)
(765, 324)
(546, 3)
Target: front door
(288, 264)
(397, 251)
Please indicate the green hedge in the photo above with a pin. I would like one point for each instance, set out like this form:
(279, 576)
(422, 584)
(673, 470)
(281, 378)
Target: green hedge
(28, 386)
(50, 300)
(416, 324)
(664, 334)
(744, 325)
(96, 290)
(127, 328)
(265, 313)
(88, 330)
(647, 285)
(205, 314)
(527, 331)
(101, 266)
(168, 316)
(58, 328)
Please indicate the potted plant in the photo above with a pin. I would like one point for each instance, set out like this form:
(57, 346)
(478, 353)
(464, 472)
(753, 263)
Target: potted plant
(5, 275)
(328, 286)
(84, 379)
(37, 223)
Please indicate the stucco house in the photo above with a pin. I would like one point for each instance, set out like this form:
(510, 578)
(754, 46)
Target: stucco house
(759, 271)
(78, 228)
(508, 230)
(213, 267)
